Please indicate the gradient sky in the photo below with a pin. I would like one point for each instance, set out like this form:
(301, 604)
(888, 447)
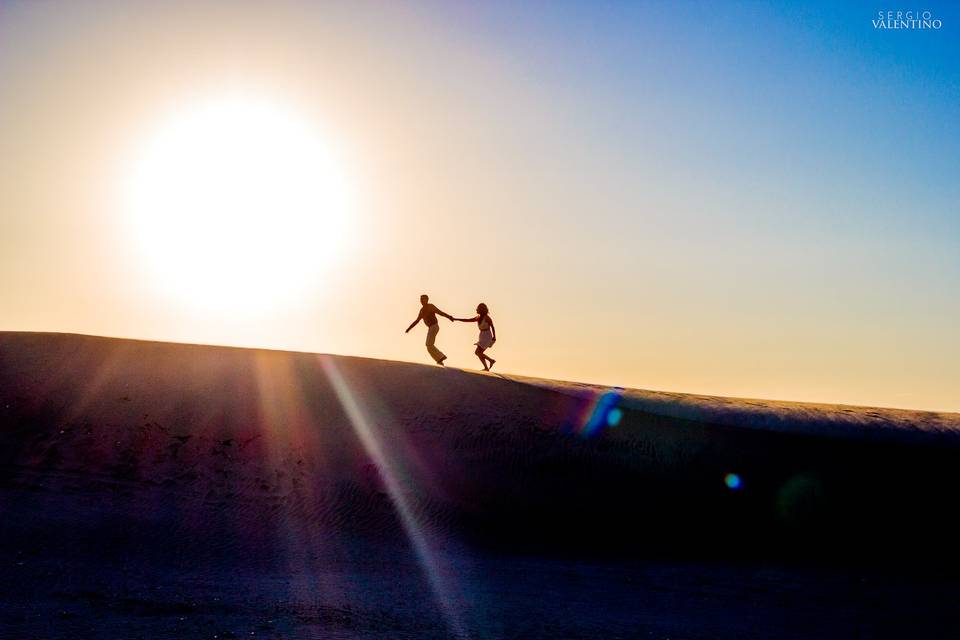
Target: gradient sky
(740, 199)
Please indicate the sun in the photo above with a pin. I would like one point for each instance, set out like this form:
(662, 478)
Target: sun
(237, 204)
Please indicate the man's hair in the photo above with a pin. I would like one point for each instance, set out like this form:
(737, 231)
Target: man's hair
(424, 298)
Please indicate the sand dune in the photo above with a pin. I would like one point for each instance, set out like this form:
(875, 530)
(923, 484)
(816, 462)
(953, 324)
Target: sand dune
(504, 459)
(184, 455)
(801, 418)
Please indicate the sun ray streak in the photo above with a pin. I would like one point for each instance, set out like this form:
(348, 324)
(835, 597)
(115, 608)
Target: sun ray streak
(412, 528)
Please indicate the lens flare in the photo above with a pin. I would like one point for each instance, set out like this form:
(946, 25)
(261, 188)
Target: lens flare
(733, 481)
(614, 417)
(414, 529)
(601, 412)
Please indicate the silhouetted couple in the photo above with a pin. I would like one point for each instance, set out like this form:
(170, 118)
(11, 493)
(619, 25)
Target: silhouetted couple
(488, 334)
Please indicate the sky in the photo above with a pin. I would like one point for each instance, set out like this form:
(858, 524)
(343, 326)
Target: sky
(744, 199)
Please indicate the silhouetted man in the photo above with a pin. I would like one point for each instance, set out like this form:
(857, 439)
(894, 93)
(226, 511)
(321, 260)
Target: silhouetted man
(429, 313)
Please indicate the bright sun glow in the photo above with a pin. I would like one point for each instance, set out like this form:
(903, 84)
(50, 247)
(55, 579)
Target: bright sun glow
(237, 204)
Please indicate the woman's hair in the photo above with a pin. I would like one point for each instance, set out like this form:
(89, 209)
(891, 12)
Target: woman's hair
(482, 309)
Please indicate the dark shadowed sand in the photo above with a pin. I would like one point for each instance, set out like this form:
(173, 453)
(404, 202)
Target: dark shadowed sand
(153, 490)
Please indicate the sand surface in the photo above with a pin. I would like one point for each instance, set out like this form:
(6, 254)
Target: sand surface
(164, 490)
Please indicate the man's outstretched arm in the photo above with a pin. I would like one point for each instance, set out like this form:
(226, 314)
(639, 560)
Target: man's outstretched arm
(414, 323)
(445, 315)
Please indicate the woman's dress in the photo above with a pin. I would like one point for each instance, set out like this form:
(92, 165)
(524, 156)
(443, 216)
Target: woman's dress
(486, 335)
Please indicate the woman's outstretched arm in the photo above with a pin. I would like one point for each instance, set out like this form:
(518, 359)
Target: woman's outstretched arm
(473, 319)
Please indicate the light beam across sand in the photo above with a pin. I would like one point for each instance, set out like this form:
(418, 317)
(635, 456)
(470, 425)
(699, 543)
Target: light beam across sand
(415, 532)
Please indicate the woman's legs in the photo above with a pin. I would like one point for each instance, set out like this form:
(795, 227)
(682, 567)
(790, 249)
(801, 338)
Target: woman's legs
(483, 360)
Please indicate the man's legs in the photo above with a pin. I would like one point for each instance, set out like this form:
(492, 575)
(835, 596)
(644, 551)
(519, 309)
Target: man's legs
(435, 353)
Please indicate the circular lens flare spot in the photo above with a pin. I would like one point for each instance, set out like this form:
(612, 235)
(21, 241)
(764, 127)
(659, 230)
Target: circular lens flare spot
(614, 416)
(733, 481)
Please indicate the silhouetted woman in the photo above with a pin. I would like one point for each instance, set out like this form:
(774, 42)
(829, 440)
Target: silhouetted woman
(488, 334)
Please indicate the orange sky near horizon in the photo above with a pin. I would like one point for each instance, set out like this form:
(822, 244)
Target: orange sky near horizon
(615, 236)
